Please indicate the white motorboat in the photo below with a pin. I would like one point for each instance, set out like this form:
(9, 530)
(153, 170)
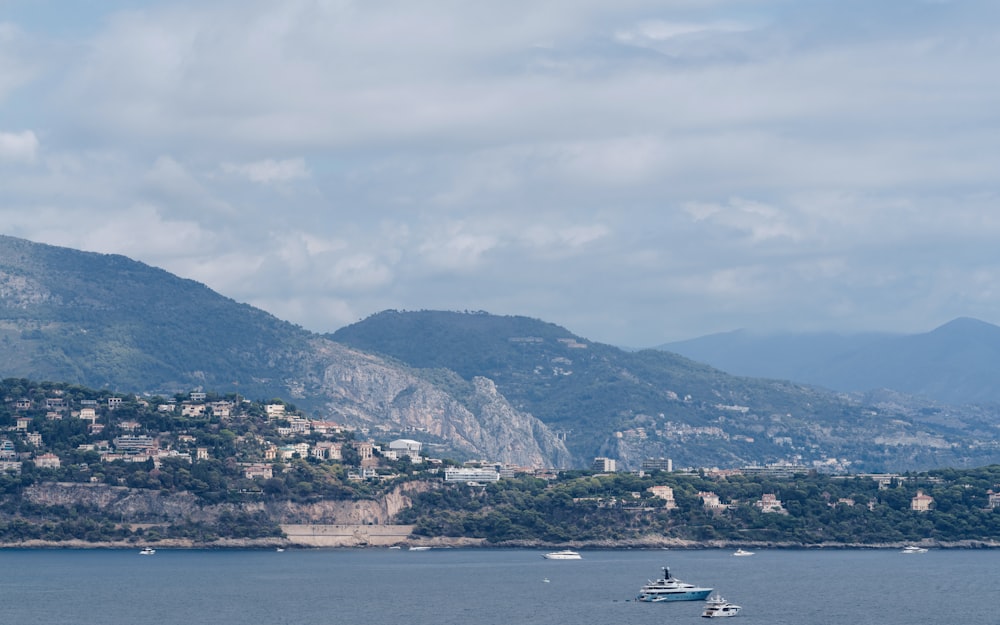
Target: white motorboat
(742, 552)
(914, 549)
(565, 554)
(669, 588)
(419, 548)
(147, 551)
(716, 606)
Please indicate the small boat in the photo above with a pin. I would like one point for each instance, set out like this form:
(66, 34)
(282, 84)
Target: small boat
(419, 548)
(742, 552)
(147, 551)
(716, 606)
(565, 554)
(280, 549)
(669, 588)
(913, 549)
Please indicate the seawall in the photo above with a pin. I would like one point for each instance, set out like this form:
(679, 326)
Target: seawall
(347, 535)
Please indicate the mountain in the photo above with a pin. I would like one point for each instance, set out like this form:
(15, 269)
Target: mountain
(470, 385)
(957, 363)
(636, 405)
(106, 321)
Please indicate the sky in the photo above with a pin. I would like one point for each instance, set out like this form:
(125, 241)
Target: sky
(636, 171)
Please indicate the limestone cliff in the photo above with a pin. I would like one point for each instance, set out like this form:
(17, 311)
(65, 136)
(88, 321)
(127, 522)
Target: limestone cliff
(362, 389)
(132, 505)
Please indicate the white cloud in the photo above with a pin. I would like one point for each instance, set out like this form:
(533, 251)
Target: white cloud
(18, 147)
(269, 171)
(637, 171)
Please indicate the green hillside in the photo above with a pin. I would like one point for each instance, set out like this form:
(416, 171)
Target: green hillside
(632, 405)
(110, 322)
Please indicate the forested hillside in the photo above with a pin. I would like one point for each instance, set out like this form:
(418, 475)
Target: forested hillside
(636, 405)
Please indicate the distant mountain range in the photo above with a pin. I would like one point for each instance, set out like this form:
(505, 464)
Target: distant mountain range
(957, 363)
(470, 385)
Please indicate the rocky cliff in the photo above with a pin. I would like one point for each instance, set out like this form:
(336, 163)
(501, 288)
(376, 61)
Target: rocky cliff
(150, 506)
(362, 389)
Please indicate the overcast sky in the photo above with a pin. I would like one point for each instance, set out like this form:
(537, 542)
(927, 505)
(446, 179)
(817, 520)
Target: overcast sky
(636, 171)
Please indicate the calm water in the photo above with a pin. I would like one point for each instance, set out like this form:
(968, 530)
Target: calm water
(487, 587)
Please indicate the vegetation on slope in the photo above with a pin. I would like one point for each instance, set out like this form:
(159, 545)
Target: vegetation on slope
(635, 405)
(585, 508)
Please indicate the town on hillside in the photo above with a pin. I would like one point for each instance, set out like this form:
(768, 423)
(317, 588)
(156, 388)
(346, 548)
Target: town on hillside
(53, 427)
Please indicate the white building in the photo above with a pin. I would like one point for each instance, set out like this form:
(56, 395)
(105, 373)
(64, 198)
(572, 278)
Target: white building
(406, 447)
(604, 465)
(470, 475)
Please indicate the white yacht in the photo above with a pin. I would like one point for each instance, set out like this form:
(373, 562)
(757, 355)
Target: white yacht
(565, 554)
(742, 552)
(716, 606)
(147, 551)
(914, 549)
(419, 548)
(669, 588)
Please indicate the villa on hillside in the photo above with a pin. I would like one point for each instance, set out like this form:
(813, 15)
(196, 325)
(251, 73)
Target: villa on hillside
(769, 502)
(666, 494)
(711, 501)
(921, 502)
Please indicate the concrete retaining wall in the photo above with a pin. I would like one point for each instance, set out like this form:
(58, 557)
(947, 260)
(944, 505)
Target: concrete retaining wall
(347, 535)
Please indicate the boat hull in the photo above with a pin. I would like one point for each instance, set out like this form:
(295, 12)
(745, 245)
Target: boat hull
(562, 555)
(696, 594)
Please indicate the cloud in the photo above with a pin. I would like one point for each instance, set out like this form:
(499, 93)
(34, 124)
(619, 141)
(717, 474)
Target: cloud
(637, 171)
(18, 147)
(269, 171)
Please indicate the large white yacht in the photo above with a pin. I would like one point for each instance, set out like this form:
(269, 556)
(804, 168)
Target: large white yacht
(565, 554)
(669, 588)
(914, 549)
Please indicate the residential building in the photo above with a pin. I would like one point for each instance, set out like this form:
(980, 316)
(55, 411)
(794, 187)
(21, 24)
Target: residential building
(921, 502)
(666, 494)
(47, 461)
(406, 447)
(258, 470)
(769, 502)
(468, 474)
(365, 450)
(7, 451)
(711, 501)
(274, 411)
(326, 428)
(604, 465)
(657, 464)
(189, 409)
(134, 444)
(994, 499)
(327, 450)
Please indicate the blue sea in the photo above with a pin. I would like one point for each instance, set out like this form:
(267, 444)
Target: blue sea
(491, 587)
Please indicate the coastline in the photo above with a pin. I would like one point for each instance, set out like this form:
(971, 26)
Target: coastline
(478, 543)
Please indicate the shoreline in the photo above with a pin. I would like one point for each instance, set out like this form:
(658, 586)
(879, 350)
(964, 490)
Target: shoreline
(473, 543)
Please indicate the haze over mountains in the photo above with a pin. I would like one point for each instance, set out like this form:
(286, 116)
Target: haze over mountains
(472, 385)
(956, 363)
